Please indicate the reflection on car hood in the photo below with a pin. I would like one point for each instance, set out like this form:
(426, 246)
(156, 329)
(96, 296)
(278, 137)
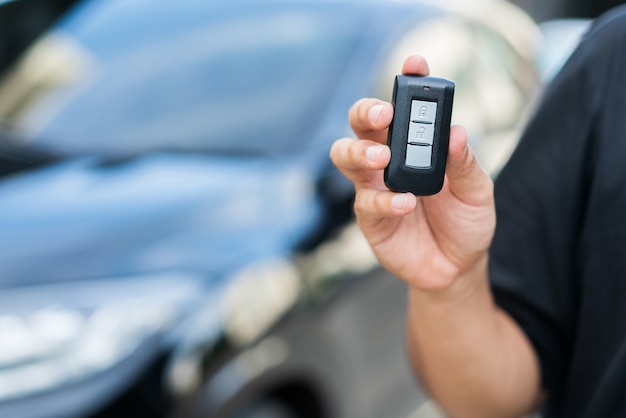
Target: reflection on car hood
(82, 219)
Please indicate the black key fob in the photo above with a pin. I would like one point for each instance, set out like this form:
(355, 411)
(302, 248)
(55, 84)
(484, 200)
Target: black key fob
(419, 134)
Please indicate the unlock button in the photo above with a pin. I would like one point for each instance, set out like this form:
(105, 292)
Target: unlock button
(421, 133)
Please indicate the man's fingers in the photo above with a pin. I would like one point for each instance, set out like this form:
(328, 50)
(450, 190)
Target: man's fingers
(467, 180)
(370, 205)
(370, 119)
(361, 161)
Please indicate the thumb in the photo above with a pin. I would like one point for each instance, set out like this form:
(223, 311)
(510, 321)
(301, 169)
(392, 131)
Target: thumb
(467, 180)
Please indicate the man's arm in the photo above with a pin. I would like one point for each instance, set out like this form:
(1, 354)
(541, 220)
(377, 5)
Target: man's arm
(471, 356)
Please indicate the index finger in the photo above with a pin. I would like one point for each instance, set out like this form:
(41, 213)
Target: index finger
(370, 118)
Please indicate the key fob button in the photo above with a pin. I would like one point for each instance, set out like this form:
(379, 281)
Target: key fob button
(419, 156)
(420, 133)
(423, 111)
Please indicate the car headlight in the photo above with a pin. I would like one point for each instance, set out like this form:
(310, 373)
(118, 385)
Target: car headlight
(257, 296)
(56, 334)
(251, 301)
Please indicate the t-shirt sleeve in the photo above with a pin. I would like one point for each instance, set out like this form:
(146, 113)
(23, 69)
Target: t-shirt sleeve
(541, 200)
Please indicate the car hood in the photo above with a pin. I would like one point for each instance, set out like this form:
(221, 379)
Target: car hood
(84, 219)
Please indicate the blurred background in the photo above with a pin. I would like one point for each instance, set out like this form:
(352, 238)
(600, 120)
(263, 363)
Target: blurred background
(174, 241)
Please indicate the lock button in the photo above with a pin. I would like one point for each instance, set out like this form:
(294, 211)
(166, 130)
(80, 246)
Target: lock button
(423, 111)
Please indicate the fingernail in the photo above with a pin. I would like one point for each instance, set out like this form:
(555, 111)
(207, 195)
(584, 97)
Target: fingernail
(399, 201)
(374, 112)
(373, 152)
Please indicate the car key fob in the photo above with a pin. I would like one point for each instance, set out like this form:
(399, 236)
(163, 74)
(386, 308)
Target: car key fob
(419, 134)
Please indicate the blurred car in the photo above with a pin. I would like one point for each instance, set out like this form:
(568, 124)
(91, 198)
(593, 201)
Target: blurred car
(173, 236)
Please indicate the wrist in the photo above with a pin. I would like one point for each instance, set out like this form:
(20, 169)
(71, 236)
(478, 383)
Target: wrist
(463, 285)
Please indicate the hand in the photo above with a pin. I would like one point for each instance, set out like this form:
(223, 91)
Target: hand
(427, 241)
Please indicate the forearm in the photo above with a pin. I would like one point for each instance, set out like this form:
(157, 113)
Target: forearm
(470, 355)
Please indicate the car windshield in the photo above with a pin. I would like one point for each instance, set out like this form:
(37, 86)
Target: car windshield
(112, 79)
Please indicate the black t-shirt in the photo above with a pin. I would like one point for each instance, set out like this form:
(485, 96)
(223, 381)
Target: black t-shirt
(558, 260)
